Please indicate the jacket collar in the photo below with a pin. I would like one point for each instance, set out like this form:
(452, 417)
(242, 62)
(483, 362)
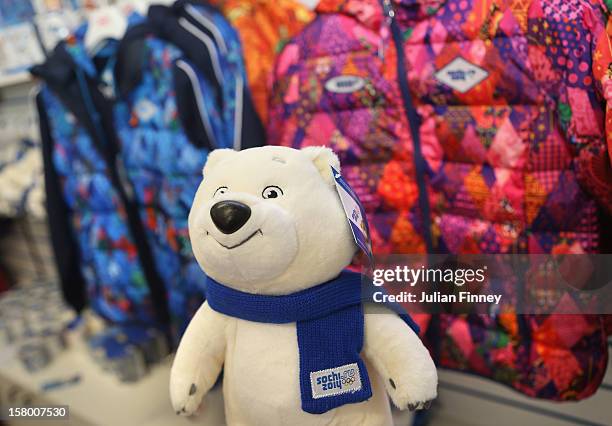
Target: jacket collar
(370, 12)
(428, 7)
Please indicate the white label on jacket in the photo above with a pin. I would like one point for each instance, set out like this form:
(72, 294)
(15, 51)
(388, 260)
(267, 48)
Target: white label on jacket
(344, 84)
(335, 381)
(461, 75)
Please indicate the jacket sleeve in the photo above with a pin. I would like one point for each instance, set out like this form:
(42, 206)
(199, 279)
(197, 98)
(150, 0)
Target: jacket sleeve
(65, 249)
(594, 161)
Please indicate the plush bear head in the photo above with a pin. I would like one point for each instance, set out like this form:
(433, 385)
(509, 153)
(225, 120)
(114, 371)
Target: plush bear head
(269, 220)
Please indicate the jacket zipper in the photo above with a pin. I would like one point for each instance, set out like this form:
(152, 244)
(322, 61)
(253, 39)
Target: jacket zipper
(238, 112)
(415, 124)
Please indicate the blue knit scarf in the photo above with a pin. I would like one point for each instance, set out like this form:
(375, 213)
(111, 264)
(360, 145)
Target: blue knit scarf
(330, 326)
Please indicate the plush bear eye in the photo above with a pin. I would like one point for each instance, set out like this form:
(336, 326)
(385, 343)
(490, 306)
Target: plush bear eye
(271, 192)
(220, 191)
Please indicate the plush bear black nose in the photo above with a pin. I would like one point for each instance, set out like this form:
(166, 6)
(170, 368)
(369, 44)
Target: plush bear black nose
(229, 216)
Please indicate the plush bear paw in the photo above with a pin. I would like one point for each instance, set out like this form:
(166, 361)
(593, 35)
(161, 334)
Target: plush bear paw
(186, 397)
(413, 386)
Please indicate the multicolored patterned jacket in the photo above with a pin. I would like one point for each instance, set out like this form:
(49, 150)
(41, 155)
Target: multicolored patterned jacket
(468, 126)
(103, 259)
(172, 89)
(183, 92)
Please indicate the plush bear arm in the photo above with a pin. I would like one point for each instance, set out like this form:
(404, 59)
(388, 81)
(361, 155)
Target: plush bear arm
(399, 356)
(198, 360)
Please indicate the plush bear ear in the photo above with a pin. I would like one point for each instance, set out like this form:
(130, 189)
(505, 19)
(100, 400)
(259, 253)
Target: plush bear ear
(215, 157)
(323, 157)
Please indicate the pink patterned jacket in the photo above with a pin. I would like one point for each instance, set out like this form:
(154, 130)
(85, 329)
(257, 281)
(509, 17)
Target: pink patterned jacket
(469, 126)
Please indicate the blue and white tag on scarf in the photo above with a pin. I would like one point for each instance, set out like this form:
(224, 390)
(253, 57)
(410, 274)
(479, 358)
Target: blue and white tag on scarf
(335, 381)
(355, 214)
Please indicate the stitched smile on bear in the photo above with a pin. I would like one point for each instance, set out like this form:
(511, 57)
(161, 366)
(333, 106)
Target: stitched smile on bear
(239, 244)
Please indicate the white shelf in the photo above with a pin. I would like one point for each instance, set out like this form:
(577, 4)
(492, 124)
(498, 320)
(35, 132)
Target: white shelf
(100, 398)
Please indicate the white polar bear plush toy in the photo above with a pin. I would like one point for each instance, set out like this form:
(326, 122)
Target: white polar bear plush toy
(282, 319)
